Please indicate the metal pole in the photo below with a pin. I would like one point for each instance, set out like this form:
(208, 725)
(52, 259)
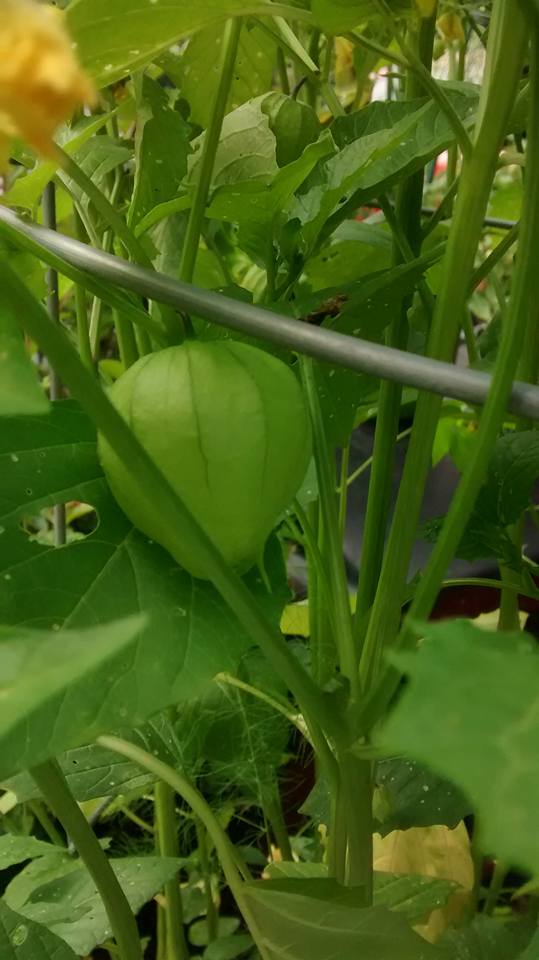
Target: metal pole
(351, 353)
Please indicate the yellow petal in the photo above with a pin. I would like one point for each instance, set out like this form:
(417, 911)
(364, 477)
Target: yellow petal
(41, 82)
(426, 7)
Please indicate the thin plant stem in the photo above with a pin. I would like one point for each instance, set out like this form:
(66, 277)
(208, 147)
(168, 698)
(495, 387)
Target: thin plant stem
(475, 183)
(53, 786)
(203, 811)
(273, 809)
(282, 708)
(81, 307)
(406, 227)
(337, 575)
(166, 829)
(367, 464)
(127, 344)
(428, 82)
(494, 257)
(283, 72)
(524, 297)
(212, 917)
(104, 207)
(53, 307)
(495, 887)
(42, 816)
(229, 50)
(343, 489)
(162, 499)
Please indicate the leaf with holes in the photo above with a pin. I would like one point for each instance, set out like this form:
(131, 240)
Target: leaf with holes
(22, 939)
(113, 573)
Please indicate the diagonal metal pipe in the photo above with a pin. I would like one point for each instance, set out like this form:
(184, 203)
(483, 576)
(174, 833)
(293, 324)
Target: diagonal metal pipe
(351, 353)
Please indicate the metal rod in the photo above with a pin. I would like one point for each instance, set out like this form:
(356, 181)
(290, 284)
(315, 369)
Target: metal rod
(351, 353)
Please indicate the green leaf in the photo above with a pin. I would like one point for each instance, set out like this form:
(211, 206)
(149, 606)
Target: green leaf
(245, 739)
(403, 139)
(294, 124)
(199, 934)
(116, 36)
(413, 796)
(338, 16)
(71, 587)
(20, 390)
(195, 70)
(296, 927)
(488, 939)
(14, 849)
(97, 158)
(62, 896)
(28, 189)
(161, 151)
(354, 250)
(483, 688)
(22, 939)
(513, 470)
(247, 147)
(61, 690)
(228, 948)
(413, 896)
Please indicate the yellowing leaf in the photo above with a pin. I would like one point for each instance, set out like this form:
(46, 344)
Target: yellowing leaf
(41, 82)
(431, 852)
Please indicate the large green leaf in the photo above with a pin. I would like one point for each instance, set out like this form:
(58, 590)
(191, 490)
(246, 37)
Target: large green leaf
(488, 939)
(387, 145)
(470, 712)
(297, 927)
(115, 36)
(59, 893)
(247, 147)
(20, 390)
(113, 573)
(59, 690)
(193, 75)
(15, 849)
(22, 939)
(413, 896)
(411, 795)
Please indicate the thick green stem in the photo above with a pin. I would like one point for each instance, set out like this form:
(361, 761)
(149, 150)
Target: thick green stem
(524, 297)
(162, 499)
(325, 468)
(408, 217)
(167, 840)
(229, 50)
(203, 811)
(53, 786)
(273, 810)
(475, 184)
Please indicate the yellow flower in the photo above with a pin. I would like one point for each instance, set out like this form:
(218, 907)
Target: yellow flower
(426, 7)
(41, 82)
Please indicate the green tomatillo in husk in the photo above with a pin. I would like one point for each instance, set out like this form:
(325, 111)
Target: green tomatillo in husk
(227, 425)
